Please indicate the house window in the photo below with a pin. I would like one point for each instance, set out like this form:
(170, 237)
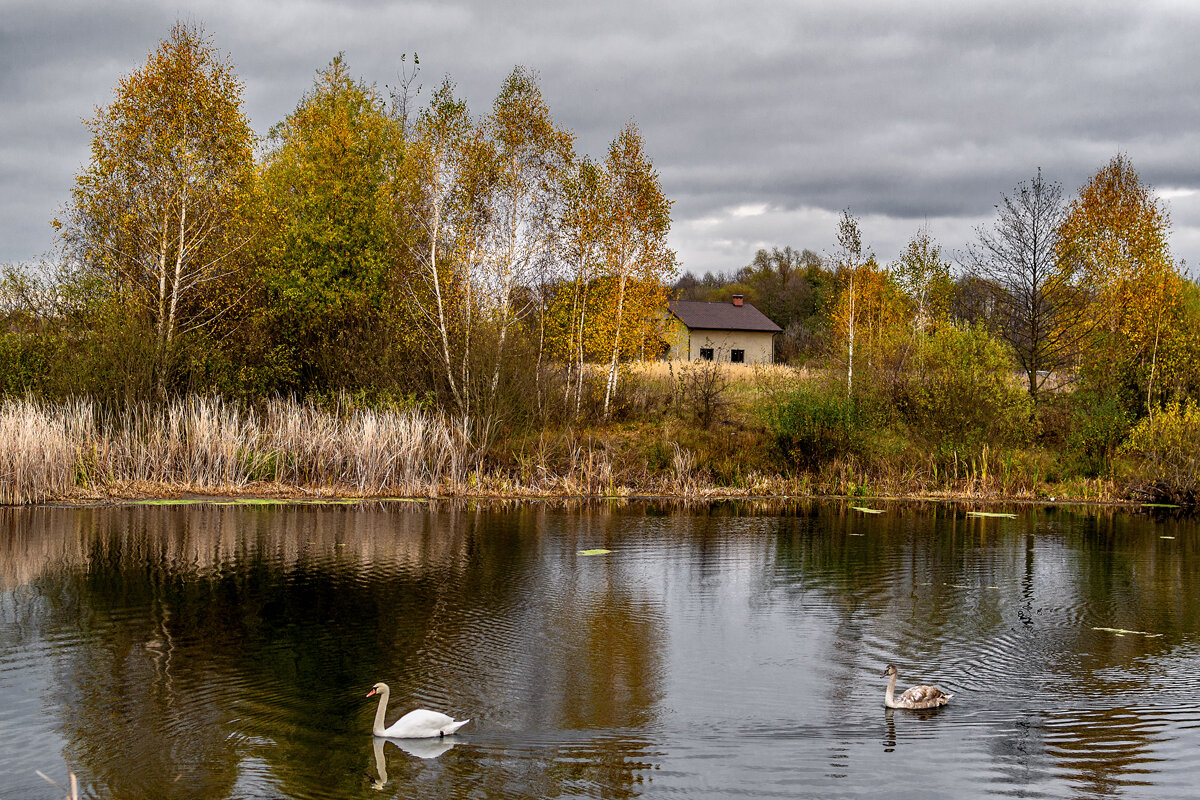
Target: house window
(737, 356)
(706, 354)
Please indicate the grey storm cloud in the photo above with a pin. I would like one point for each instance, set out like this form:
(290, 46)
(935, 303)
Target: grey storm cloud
(764, 119)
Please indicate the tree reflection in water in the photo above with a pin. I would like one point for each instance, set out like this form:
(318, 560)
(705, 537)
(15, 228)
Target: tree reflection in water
(214, 651)
(215, 647)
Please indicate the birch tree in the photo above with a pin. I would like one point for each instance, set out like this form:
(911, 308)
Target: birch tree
(584, 208)
(155, 209)
(849, 263)
(634, 243)
(530, 155)
(869, 312)
(482, 197)
(925, 277)
(444, 174)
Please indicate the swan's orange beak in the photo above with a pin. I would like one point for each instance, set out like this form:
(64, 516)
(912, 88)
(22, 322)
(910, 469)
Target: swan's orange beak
(371, 693)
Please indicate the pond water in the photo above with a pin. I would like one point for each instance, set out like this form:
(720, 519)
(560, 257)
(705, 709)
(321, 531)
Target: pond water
(214, 651)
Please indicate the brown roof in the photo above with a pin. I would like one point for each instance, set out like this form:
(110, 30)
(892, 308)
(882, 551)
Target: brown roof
(721, 316)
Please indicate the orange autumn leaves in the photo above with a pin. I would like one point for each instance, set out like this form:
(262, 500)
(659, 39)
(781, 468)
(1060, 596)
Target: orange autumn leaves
(1113, 247)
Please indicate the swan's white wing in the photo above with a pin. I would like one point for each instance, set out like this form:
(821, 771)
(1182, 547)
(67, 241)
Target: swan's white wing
(422, 724)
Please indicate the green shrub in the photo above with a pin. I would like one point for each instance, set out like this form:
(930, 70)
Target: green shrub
(812, 424)
(27, 362)
(961, 393)
(1100, 422)
(1167, 446)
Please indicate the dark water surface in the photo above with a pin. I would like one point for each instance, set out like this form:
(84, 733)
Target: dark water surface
(211, 651)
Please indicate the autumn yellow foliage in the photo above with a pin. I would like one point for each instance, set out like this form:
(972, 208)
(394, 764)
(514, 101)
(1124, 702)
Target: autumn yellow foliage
(1114, 243)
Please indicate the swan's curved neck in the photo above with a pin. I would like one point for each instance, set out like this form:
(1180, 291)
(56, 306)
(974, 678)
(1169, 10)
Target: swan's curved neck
(378, 728)
(889, 699)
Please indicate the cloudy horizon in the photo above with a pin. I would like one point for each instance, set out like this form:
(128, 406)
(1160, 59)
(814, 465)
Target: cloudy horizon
(765, 120)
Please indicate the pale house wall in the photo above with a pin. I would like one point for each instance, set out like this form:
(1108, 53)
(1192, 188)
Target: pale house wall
(758, 345)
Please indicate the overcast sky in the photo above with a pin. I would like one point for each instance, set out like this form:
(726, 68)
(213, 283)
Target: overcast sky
(765, 119)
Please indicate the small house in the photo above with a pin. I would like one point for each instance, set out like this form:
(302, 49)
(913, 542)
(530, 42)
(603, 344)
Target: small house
(735, 332)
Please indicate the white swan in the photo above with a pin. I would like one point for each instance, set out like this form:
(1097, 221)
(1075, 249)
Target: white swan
(419, 724)
(916, 697)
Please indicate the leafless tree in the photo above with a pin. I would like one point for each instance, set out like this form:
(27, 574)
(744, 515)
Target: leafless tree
(1035, 307)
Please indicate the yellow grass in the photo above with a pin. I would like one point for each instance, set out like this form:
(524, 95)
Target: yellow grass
(742, 373)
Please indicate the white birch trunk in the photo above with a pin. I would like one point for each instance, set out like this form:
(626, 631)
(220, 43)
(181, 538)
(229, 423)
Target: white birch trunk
(443, 329)
(612, 366)
(850, 360)
(179, 259)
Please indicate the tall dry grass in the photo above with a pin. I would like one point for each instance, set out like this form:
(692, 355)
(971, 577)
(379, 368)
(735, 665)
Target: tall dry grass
(206, 443)
(38, 448)
(367, 450)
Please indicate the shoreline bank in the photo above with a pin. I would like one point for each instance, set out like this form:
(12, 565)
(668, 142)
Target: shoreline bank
(206, 447)
(270, 494)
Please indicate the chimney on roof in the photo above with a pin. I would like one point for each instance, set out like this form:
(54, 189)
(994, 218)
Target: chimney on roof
(737, 300)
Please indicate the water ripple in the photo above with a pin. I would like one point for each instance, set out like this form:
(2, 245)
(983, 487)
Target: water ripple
(225, 652)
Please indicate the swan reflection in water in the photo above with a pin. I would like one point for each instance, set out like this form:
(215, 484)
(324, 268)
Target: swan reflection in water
(890, 740)
(419, 748)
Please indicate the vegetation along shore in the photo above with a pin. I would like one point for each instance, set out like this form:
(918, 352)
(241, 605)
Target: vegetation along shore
(385, 298)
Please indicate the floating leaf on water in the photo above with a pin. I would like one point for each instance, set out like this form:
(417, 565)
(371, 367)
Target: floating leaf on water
(1121, 631)
(867, 510)
(599, 551)
(957, 586)
(993, 587)
(1166, 537)
(858, 534)
(991, 514)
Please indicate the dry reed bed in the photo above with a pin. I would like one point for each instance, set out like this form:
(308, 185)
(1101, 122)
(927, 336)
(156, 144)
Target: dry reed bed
(204, 443)
(38, 448)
